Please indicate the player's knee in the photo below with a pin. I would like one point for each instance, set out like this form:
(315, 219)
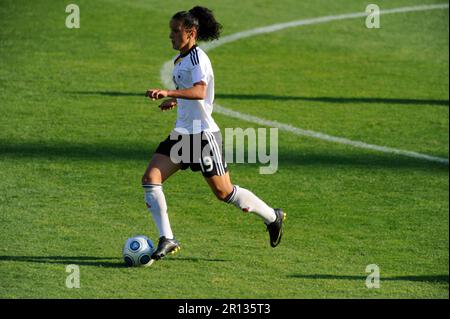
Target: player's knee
(151, 178)
(221, 195)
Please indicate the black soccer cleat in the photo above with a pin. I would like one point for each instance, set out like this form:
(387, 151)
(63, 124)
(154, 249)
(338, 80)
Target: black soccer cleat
(165, 246)
(275, 229)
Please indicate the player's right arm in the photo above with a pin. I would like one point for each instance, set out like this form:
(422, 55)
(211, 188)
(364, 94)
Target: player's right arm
(196, 92)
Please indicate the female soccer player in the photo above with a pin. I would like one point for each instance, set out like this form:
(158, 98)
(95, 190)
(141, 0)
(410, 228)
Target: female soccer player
(196, 137)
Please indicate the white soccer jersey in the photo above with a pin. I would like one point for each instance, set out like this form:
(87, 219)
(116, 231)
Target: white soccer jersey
(194, 115)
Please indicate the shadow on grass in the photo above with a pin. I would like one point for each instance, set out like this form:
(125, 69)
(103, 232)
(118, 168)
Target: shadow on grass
(430, 278)
(334, 100)
(91, 152)
(112, 153)
(110, 262)
(270, 97)
(108, 93)
(106, 262)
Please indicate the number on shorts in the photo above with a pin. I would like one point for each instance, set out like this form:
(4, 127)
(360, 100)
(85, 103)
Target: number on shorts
(208, 163)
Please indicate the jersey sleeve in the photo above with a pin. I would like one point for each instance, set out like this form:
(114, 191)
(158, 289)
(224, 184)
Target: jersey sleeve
(200, 73)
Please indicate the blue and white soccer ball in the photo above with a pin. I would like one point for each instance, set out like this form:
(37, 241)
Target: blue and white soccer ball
(138, 251)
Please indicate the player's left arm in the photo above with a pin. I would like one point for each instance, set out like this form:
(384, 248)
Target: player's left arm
(196, 92)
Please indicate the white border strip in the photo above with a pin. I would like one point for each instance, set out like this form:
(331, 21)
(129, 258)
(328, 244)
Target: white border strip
(167, 67)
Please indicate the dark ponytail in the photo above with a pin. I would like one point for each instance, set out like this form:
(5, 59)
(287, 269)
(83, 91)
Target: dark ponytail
(203, 20)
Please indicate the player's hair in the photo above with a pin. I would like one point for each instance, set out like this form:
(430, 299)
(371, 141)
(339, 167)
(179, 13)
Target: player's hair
(203, 20)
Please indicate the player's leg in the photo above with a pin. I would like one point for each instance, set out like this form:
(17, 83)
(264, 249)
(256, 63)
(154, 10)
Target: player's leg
(248, 202)
(160, 169)
(214, 169)
(240, 197)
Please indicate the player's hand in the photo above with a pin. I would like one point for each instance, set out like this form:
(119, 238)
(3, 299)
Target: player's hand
(156, 94)
(168, 104)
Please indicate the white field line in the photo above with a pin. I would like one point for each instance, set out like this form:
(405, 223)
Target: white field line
(322, 136)
(166, 79)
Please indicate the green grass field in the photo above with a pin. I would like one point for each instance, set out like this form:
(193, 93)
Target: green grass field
(77, 133)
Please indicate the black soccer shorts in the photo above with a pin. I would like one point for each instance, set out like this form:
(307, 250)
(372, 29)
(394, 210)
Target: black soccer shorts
(200, 152)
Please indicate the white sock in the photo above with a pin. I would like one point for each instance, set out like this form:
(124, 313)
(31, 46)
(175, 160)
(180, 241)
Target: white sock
(156, 204)
(249, 202)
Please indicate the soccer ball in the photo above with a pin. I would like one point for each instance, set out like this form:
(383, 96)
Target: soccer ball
(138, 251)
